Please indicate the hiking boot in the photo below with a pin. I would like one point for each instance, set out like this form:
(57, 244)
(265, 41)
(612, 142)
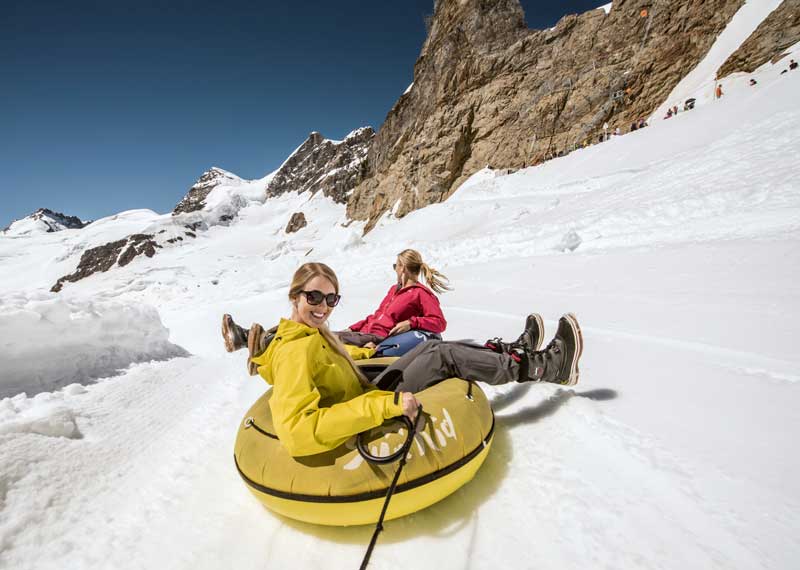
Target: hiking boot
(530, 339)
(234, 336)
(558, 362)
(257, 342)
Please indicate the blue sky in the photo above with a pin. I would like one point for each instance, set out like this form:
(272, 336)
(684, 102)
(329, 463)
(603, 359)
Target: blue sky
(110, 106)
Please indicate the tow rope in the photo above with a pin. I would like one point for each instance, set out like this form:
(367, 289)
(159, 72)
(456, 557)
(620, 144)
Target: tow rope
(401, 454)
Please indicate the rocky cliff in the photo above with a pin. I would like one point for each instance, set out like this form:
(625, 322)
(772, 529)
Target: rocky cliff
(488, 90)
(104, 257)
(780, 30)
(320, 164)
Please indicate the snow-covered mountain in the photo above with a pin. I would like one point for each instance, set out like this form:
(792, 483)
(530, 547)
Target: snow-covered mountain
(215, 199)
(195, 198)
(43, 220)
(677, 246)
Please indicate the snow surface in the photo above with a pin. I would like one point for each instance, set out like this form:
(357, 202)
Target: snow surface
(678, 247)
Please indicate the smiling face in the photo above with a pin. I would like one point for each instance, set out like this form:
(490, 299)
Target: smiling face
(313, 316)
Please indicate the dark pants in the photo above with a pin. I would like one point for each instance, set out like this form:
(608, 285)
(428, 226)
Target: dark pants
(436, 360)
(358, 339)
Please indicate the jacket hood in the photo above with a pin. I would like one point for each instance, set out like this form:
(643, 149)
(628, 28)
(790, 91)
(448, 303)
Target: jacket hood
(287, 332)
(292, 330)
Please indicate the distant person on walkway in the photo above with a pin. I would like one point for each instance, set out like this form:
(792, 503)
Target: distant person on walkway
(674, 109)
(718, 91)
(669, 114)
(753, 82)
(634, 126)
(792, 64)
(642, 123)
(617, 132)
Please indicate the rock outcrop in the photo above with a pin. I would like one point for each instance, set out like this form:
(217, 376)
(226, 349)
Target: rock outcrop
(296, 223)
(489, 91)
(319, 164)
(779, 31)
(44, 220)
(195, 198)
(104, 257)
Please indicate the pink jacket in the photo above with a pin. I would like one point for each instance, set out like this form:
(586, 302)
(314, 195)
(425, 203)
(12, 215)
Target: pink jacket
(416, 304)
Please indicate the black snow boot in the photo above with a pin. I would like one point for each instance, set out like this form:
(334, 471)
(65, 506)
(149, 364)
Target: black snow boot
(234, 336)
(558, 362)
(530, 339)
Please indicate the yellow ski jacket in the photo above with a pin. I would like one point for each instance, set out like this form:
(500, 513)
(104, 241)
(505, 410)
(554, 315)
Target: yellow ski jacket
(317, 402)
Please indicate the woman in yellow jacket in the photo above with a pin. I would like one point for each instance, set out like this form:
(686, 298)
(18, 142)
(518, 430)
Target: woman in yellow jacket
(320, 399)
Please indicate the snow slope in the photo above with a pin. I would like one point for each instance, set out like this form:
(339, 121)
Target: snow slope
(677, 247)
(701, 81)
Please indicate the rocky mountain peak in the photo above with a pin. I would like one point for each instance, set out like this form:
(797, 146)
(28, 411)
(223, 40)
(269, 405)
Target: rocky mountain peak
(195, 198)
(474, 25)
(320, 164)
(44, 220)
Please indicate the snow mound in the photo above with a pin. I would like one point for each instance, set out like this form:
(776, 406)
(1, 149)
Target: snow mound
(48, 342)
(45, 414)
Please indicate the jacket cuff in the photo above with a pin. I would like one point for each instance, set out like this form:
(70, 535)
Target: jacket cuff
(394, 406)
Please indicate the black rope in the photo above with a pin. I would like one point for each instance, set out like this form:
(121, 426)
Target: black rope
(403, 455)
(250, 422)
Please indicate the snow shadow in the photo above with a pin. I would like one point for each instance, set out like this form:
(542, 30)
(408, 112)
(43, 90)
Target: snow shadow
(451, 515)
(551, 405)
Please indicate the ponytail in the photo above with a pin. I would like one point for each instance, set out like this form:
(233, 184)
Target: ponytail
(434, 279)
(412, 261)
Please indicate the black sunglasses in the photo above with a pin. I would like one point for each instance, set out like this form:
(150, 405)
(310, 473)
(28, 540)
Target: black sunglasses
(316, 297)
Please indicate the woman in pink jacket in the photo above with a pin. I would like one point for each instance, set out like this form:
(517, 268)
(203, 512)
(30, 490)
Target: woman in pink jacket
(407, 305)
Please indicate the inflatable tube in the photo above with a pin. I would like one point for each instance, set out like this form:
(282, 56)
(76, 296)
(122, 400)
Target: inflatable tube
(341, 488)
(399, 344)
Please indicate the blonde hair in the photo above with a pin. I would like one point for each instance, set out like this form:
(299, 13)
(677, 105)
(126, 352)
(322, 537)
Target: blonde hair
(413, 264)
(303, 275)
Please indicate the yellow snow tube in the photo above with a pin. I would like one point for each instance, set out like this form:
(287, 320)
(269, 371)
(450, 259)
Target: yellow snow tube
(342, 488)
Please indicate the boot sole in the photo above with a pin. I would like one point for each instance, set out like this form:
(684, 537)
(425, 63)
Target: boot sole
(540, 324)
(253, 344)
(574, 372)
(227, 333)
